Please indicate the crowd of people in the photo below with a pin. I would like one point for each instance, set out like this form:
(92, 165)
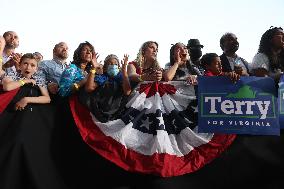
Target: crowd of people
(35, 153)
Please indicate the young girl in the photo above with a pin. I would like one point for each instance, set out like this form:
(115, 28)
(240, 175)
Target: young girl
(211, 62)
(26, 130)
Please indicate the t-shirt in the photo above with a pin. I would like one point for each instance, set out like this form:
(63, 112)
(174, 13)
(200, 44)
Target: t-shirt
(260, 60)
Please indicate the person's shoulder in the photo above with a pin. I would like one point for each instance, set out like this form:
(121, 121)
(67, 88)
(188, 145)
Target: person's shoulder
(222, 55)
(223, 58)
(259, 56)
(167, 65)
(260, 60)
(243, 60)
(12, 75)
(40, 80)
(46, 63)
(71, 66)
(132, 63)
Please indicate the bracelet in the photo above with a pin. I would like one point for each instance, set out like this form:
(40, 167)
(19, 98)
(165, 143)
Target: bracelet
(77, 86)
(93, 71)
(22, 82)
(1, 60)
(140, 78)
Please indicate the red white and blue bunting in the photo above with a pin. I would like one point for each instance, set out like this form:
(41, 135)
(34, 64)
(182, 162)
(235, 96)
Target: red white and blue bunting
(156, 135)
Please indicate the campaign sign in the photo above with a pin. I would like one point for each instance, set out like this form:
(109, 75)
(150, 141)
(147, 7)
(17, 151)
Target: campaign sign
(281, 102)
(248, 106)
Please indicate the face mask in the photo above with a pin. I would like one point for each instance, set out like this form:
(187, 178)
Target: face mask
(112, 70)
(195, 53)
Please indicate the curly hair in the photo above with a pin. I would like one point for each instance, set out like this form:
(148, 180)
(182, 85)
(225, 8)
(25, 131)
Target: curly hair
(265, 41)
(77, 60)
(140, 60)
(265, 47)
(223, 39)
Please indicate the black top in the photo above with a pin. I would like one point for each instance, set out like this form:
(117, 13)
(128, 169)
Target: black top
(226, 64)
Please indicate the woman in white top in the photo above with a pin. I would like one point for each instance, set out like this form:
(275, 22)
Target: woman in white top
(269, 61)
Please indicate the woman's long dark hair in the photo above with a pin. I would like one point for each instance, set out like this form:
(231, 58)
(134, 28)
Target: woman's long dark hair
(189, 66)
(265, 47)
(77, 60)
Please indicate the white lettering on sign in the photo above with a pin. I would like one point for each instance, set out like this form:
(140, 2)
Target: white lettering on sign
(236, 107)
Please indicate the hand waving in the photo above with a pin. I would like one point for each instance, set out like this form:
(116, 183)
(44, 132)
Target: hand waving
(124, 63)
(95, 57)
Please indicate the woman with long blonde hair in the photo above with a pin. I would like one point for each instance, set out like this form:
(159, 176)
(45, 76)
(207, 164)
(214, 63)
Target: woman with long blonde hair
(145, 67)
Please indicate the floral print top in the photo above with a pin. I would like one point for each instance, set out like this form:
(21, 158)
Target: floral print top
(72, 74)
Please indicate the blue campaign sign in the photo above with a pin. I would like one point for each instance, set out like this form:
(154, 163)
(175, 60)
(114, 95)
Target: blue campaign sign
(248, 106)
(281, 102)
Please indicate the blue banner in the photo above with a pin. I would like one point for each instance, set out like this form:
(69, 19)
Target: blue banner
(248, 106)
(281, 102)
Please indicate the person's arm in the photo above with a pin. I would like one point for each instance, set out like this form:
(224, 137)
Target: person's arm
(13, 61)
(192, 79)
(133, 76)
(90, 84)
(155, 75)
(241, 67)
(2, 72)
(239, 70)
(43, 99)
(2, 46)
(259, 72)
(9, 84)
(170, 73)
(125, 81)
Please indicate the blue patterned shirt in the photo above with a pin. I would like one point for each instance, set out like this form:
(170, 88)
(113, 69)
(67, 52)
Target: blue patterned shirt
(52, 70)
(70, 75)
